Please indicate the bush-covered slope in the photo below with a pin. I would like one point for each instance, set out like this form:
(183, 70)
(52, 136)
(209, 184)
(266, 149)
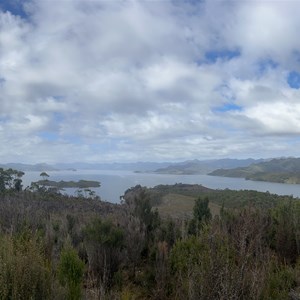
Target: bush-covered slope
(282, 170)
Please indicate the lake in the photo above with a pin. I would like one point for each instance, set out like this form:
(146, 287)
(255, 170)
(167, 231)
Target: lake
(115, 183)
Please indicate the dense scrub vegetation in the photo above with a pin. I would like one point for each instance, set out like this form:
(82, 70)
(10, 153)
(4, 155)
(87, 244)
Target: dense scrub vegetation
(58, 247)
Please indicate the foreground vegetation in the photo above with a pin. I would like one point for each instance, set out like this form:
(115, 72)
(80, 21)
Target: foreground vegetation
(57, 247)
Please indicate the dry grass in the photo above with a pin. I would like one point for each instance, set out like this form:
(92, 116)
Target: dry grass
(181, 206)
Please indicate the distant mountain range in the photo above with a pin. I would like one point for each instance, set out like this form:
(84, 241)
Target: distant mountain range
(28, 167)
(282, 170)
(187, 167)
(205, 166)
(138, 166)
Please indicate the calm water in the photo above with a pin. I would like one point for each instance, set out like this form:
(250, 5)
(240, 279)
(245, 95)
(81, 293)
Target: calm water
(114, 183)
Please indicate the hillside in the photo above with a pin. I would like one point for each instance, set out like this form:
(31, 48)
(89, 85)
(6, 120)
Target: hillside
(178, 200)
(203, 167)
(179, 206)
(281, 170)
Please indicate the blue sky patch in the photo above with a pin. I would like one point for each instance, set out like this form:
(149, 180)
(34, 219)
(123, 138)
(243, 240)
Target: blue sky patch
(213, 56)
(59, 97)
(227, 107)
(58, 117)
(293, 80)
(16, 7)
(49, 136)
(4, 119)
(267, 64)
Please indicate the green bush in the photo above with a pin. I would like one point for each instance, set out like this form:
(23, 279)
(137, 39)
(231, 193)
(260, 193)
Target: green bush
(70, 272)
(24, 273)
(280, 281)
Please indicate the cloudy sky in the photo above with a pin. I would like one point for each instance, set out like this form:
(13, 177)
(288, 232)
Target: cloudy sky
(148, 80)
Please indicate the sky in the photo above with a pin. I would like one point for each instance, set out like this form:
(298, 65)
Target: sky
(148, 80)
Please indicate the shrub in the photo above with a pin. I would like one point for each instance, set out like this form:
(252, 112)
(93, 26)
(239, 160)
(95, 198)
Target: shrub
(70, 272)
(24, 273)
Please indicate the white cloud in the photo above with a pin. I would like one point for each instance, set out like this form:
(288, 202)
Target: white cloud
(277, 118)
(134, 80)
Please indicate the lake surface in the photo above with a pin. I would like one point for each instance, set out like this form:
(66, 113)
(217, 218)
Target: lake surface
(115, 183)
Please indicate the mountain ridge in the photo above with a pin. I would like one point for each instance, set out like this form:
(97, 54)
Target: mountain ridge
(281, 170)
(194, 167)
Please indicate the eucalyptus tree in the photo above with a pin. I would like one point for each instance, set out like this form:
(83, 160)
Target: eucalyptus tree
(10, 180)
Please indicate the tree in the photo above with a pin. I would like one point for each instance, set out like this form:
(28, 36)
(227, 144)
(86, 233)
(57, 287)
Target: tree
(44, 175)
(10, 179)
(2, 181)
(18, 185)
(201, 210)
(104, 242)
(143, 210)
(286, 220)
(201, 214)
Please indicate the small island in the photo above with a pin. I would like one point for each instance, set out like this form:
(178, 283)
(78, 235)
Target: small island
(69, 184)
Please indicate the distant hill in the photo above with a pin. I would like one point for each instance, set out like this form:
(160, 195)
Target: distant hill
(282, 170)
(205, 166)
(28, 167)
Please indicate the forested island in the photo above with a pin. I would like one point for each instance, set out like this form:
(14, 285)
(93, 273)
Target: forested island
(177, 241)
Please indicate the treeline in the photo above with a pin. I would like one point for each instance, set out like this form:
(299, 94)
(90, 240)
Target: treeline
(59, 247)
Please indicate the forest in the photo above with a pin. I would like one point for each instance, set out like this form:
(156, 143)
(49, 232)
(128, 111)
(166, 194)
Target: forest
(54, 246)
